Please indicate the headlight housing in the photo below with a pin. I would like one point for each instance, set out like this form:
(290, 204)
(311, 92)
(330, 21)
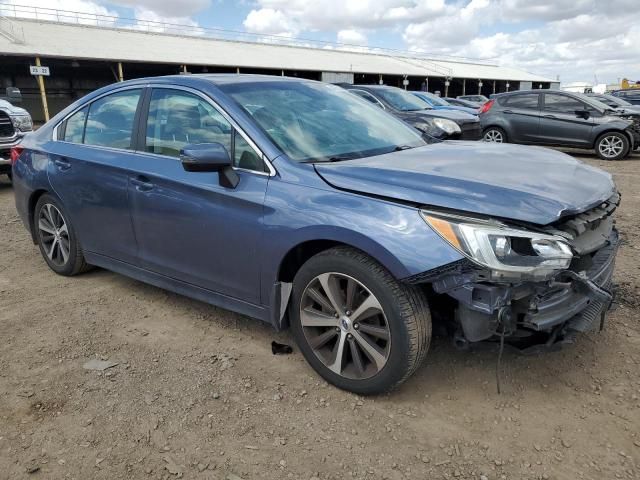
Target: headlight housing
(22, 122)
(509, 253)
(447, 125)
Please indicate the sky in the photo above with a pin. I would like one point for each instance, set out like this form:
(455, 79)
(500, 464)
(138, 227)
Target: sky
(595, 41)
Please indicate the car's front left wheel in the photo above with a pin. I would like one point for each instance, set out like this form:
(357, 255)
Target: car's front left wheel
(56, 237)
(612, 146)
(357, 326)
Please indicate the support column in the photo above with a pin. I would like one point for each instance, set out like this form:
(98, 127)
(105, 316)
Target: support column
(43, 93)
(494, 86)
(237, 70)
(120, 74)
(464, 86)
(479, 87)
(446, 87)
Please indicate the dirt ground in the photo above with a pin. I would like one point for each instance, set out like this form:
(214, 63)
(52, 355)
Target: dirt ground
(197, 393)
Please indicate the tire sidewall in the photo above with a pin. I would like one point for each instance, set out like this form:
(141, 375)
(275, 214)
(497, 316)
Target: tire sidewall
(69, 267)
(625, 140)
(398, 361)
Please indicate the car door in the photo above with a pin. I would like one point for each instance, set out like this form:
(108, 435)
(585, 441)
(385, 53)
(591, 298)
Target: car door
(90, 158)
(188, 226)
(561, 125)
(521, 113)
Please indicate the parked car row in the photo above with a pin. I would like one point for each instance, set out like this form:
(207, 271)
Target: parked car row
(300, 204)
(436, 124)
(556, 118)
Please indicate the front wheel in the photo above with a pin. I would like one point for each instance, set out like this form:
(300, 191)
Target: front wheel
(357, 326)
(57, 238)
(494, 135)
(612, 146)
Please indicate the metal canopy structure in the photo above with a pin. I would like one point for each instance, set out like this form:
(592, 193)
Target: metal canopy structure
(106, 40)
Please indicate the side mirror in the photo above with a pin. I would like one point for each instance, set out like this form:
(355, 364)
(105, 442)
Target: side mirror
(583, 114)
(210, 157)
(13, 94)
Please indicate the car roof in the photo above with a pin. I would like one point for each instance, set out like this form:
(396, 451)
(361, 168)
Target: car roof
(217, 78)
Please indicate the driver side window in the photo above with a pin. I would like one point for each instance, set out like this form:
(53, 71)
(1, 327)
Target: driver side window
(178, 118)
(554, 102)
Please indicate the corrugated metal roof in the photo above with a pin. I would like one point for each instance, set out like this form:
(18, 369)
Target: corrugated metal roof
(54, 39)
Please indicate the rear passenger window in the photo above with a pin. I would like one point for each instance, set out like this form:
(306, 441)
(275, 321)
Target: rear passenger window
(74, 126)
(527, 101)
(178, 118)
(110, 120)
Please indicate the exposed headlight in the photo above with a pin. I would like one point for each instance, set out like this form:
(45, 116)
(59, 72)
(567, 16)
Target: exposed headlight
(448, 126)
(22, 122)
(508, 253)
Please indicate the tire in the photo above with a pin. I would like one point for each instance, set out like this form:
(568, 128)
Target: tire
(49, 209)
(10, 176)
(403, 314)
(494, 135)
(612, 146)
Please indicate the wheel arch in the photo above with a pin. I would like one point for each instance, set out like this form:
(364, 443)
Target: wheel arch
(33, 200)
(598, 135)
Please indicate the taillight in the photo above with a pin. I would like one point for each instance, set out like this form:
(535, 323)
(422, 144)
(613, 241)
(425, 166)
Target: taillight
(15, 153)
(486, 107)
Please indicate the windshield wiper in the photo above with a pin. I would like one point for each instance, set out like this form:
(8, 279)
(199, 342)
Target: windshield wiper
(399, 148)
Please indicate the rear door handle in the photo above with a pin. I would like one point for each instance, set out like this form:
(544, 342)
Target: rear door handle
(507, 111)
(142, 183)
(62, 163)
(549, 116)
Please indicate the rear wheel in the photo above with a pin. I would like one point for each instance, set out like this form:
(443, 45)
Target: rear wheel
(612, 146)
(56, 237)
(357, 326)
(494, 135)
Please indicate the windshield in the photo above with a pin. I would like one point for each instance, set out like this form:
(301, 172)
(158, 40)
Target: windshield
(435, 99)
(594, 102)
(402, 100)
(611, 100)
(318, 122)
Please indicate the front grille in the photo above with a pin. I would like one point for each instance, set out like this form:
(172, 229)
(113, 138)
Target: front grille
(6, 126)
(590, 230)
(470, 131)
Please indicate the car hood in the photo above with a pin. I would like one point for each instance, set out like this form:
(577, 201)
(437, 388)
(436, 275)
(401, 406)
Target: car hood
(528, 184)
(12, 109)
(455, 115)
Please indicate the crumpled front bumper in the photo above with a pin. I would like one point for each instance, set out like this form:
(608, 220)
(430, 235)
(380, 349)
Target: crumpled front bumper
(533, 316)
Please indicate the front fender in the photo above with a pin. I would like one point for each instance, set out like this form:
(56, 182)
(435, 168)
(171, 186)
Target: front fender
(393, 234)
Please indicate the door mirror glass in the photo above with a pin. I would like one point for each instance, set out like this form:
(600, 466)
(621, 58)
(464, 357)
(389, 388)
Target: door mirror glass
(210, 157)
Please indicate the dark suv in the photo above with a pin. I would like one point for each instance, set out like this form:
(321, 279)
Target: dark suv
(15, 122)
(560, 119)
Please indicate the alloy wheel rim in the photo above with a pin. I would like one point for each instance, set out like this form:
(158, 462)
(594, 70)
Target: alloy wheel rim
(54, 234)
(493, 136)
(344, 324)
(611, 146)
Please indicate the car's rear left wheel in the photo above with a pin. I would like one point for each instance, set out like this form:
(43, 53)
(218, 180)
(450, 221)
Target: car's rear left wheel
(494, 135)
(357, 326)
(56, 237)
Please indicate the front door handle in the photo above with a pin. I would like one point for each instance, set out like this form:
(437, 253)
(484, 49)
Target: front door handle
(553, 117)
(142, 183)
(62, 163)
(507, 111)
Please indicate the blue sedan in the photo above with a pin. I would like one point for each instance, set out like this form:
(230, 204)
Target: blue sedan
(304, 206)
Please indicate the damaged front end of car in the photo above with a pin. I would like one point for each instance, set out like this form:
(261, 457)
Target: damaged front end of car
(534, 287)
